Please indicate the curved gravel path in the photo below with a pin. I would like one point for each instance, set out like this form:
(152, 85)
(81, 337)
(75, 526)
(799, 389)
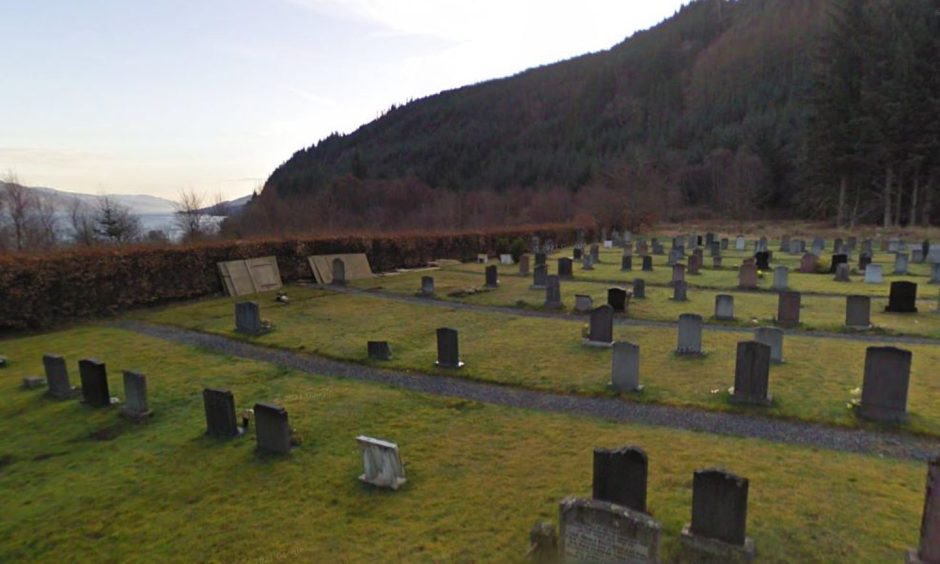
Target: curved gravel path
(506, 310)
(612, 409)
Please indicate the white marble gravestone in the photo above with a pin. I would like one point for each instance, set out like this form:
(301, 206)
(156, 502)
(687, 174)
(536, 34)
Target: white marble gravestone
(381, 464)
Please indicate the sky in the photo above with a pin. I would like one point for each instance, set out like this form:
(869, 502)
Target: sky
(158, 96)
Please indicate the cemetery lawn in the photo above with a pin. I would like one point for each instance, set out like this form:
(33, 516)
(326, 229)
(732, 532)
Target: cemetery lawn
(81, 484)
(815, 383)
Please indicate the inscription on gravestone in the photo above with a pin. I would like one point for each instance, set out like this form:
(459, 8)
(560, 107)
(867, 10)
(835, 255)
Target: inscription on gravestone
(599, 532)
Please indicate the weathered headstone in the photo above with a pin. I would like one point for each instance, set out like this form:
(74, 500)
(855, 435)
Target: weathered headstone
(448, 350)
(747, 276)
(680, 292)
(690, 334)
(808, 263)
(719, 516)
(917, 256)
(617, 299)
(57, 375)
(900, 263)
(220, 414)
(716, 262)
(272, 428)
(903, 298)
(928, 552)
(540, 277)
(587, 263)
(595, 254)
(773, 338)
(553, 293)
(788, 309)
(625, 368)
(583, 303)
(248, 318)
(647, 264)
(524, 265)
(578, 253)
(626, 263)
(492, 276)
(427, 286)
(620, 477)
(752, 374)
(836, 261)
(601, 328)
(600, 532)
(724, 243)
(639, 288)
(874, 274)
(94, 375)
(379, 350)
(858, 312)
(863, 261)
(565, 268)
(842, 273)
(724, 307)
(678, 273)
(136, 406)
(506, 260)
(762, 259)
(740, 243)
(884, 390)
(781, 278)
(935, 273)
(540, 258)
(381, 463)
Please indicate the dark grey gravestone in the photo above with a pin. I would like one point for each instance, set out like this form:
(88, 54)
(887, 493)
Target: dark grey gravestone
(695, 263)
(863, 261)
(716, 262)
(719, 516)
(773, 338)
(763, 260)
(647, 264)
(339, 272)
(626, 263)
(539, 277)
(788, 309)
(836, 261)
(625, 368)
(553, 293)
(540, 258)
(578, 253)
(935, 273)
(752, 374)
(781, 278)
(379, 350)
(714, 249)
(598, 532)
(639, 288)
(725, 242)
(136, 405)
(94, 375)
(448, 351)
(492, 276)
(601, 331)
(903, 298)
(724, 307)
(620, 477)
(928, 551)
(595, 254)
(678, 273)
(248, 318)
(565, 268)
(842, 273)
(679, 292)
(858, 312)
(587, 263)
(884, 391)
(617, 299)
(57, 376)
(690, 334)
(524, 265)
(272, 428)
(427, 286)
(220, 413)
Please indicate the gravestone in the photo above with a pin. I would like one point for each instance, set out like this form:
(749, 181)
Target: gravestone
(818, 245)
(587, 263)
(836, 261)
(427, 286)
(540, 277)
(540, 258)
(690, 334)
(678, 273)
(773, 338)
(448, 351)
(714, 249)
(379, 350)
(553, 293)
(625, 368)
(680, 292)
(724, 243)
(617, 299)
(642, 248)
(94, 375)
(136, 406)
(626, 263)
(716, 262)
(740, 244)
(917, 255)
(600, 532)
(506, 260)
(808, 263)
(752, 374)
(724, 307)
(639, 289)
(32, 382)
(492, 276)
(900, 263)
(620, 477)
(565, 268)
(719, 516)
(785, 244)
(884, 390)
(763, 260)
(935, 273)
(747, 276)
(601, 329)
(339, 272)
(57, 376)
(220, 414)
(852, 244)
(762, 245)
(658, 248)
(578, 253)
(647, 264)
(874, 274)
(272, 429)
(248, 319)
(674, 257)
(482, 258)
(695, 263)
(709, 239)
(863, 261)
(381, 463)
(781, 278)
(595, 254)
(837, 245)
(524, 265)
(788, 309)
(929, 549)
(858, 312)
(842, 273)
(903, 298)
(583, 303)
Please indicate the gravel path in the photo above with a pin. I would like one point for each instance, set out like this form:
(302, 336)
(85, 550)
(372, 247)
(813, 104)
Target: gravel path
(778, 430)
(505, 310)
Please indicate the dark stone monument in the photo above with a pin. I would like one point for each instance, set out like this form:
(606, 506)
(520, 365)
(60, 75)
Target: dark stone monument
(719, 516)
(248, 318)
(492, 276)
(884, 390)
(595, 254)
(565, 268)
(752, 374)
(379, 350)
(57, 376)
(747, 276)
(863, 261)
(94, 377)
(626, 263)
(272, 429)
(903, 298)
(136, 406)
(620, 477)
(220, 414)
(808, 263)
(680, 292)
(788, 309)
(540, 258)
(639, 289)
(695, 263)
(647, 264)
(601, 532)
(763, 260)
(553, 293)
(601, 331)
(540, 277)
(578, 253)
(617, 299)
(448, 352)
(836, 261)
(929, 550)
(858, 312)
(524, 265)
(427, 286)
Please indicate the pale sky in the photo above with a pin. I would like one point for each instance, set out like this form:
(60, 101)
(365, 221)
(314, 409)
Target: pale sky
(153, 96)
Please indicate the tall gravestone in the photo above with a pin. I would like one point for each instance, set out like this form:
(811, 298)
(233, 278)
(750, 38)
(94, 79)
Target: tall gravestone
(553, 293)
(339, 272)
(724, 307)
(601, 328)
(773, 338)
(272, 428)
(427, 286)
(597, 531)
(540, 258)
(94, 375)
(858, 312)
(762, 259)
(695, 263)
(928, 551)
(57, 377)
(935, 273)
(863, 261)
(903, 298)
(781, 278)
(680, 292)
(248, 318)
(136, 406)
(492, 276)
(540, 277)
(578, 253)
(617, 299)
(719, 516)
(690, 334)
(752, 374)
(448, 350)
(220, 413)
(625, 368)
(808, 263)
(626, 263)
(647, 264)
(788, 309)
(678, 273)
(524, 265)
(836, 261)
(620, 477)
(639, 288)
(595, 254)
(884, 390)
(900, 263)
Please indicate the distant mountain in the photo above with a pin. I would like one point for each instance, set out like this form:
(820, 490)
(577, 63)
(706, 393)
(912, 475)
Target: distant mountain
(231, 207)
(139, 204)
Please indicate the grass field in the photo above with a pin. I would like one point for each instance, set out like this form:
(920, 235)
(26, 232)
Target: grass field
(817, 380)
(78, 484)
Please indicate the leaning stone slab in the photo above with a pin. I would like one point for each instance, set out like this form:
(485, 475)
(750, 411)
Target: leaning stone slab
(272, 429)
(220, 414)
(57, 375)
(601, 532)
(381, 463)
(94, 376)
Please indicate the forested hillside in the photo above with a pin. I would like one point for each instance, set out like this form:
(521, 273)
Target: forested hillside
(707, 113)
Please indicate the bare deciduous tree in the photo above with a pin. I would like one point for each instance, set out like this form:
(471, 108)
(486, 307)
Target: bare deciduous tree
(82, 220)
(115, 223)
(191, 217)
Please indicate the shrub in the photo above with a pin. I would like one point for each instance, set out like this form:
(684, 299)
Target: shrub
(517, 249)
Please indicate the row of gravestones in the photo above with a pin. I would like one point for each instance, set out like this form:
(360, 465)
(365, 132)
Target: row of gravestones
(615, 524)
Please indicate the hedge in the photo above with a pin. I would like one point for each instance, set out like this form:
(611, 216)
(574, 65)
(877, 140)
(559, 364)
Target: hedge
(42, 290)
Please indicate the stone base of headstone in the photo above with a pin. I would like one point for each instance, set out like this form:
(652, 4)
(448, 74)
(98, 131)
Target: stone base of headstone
(74, 393)
(597, 344)
(136, 417)
(553, 305)
(751, 401)
(33, 382)
(438, 364)
(702, 549)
